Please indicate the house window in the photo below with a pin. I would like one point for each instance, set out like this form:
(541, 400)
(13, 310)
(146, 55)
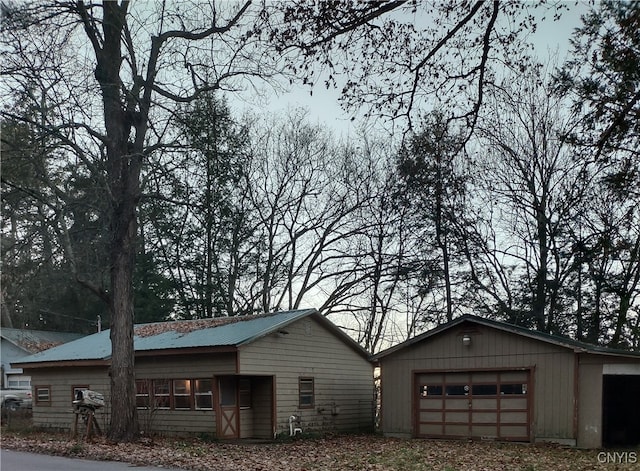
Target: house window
(244, 389)
(174, 394)
(142, 394)
(203, 393)
(181, 394)
(306, 393)
(43, 395)
(19, 383)
(162, 393)
(75, 389)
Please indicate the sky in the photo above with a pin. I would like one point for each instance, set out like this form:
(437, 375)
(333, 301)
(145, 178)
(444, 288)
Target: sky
(550, 39)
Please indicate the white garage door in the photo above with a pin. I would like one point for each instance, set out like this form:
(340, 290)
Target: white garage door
(474, 404)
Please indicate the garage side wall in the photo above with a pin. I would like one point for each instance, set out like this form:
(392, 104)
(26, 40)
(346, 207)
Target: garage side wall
(342, 378)
(552, 376)
(590, 400)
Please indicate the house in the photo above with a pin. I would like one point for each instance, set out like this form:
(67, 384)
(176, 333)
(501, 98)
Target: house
(240, 377)
(482, 379)
(16, 343)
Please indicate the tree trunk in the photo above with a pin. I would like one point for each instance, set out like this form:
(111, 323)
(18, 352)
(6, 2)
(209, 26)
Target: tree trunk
(123, 169)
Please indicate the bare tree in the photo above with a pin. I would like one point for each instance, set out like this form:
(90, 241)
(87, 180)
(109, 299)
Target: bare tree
(533, 185)
(134, 61)
(395, 58)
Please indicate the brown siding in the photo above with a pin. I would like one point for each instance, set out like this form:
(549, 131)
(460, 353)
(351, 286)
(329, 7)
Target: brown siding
(552, 376)
(589, 423)
(59, 413)
(343, 378)
(204, 365)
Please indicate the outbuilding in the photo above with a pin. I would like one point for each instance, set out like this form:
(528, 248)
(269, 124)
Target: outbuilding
(474, 378)
(241, 377)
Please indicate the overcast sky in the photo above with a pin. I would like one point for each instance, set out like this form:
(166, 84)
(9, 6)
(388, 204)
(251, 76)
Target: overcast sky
(551, 38)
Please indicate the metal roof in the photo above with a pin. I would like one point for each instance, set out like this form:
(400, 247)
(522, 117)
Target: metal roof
(219, 332)
(37, 340)
(534, 334)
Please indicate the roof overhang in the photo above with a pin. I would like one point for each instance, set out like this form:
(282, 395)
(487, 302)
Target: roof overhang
(573, 345)
(61, 364)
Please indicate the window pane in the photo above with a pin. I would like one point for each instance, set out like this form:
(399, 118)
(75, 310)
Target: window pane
(484, 389)
(456, 390)
(181, 394)
(161, 390)
(204, 401)
(203, 393)
(227, 391)
(426, 390)
(513, 388)
(142, 394)
(306, 392)
(203, 386)
(244, 385)
(181, 386)
(42, 394)
(161, 386)
(182, 402)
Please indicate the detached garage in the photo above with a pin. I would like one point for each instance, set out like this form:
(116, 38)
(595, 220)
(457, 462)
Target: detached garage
(474, 378)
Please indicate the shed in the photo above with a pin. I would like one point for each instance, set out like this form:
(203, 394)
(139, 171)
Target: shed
(474, 378)
(233, 377)
(16, 343)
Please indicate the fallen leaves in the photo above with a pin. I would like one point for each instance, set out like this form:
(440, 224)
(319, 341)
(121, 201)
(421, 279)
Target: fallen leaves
(188, 326)
(344, 452)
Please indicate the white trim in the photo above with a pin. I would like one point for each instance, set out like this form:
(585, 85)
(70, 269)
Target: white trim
(621, 369)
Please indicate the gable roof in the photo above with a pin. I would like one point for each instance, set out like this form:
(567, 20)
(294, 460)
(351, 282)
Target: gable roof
(576, 346)
(34, 341)
(172, 336)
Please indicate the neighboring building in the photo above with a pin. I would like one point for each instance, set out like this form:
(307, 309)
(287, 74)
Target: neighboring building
(482, 379)
(240, 377)
(16, 343)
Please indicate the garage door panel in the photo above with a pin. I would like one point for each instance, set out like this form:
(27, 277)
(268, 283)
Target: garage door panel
(519, 403)
(481, 404)
(489, 377)
(484, 431)
(514, 431)
(456, 430)
(484, 417)
(430, 403)
(430, 416)
(431, 429)
(476, 404)
(460, 417)
(456, 404)
(513, 417)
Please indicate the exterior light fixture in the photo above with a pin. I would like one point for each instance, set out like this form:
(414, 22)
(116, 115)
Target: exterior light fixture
(466, 340)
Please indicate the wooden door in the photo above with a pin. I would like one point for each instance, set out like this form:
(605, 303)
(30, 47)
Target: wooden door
(228, 412)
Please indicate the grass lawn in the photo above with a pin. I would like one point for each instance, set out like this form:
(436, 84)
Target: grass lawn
(349, 452)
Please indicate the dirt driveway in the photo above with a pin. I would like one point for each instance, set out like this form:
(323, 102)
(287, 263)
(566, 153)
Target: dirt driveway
(359, 452)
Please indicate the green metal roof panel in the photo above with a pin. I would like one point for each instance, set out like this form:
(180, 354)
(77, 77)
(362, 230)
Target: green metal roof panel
(92, 347)
(217, 332)
(37, 340)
